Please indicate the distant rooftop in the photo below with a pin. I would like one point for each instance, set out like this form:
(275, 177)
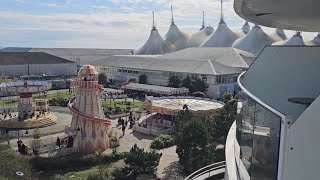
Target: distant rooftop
(16, 58)
(211, 61)
(154, 88)
(79, 55)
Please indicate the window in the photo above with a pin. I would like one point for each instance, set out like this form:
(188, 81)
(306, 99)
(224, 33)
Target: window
(221, 79)
(235, 78)
(258, 134)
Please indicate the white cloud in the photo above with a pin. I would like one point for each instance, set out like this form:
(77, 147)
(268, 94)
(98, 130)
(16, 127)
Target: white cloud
(128, 28)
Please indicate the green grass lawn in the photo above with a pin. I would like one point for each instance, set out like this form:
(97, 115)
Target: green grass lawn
(66, 95)
(106, 103)
(7, 80)
(62, 95)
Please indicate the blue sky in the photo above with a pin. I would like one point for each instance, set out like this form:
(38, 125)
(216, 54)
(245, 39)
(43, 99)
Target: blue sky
(102, 23)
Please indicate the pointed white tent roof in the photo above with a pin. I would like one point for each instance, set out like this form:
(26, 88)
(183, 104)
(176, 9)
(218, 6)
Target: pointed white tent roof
(155, 44)
(223, 36)
(295, 40)
(176, 37)
(254, 41)
(278, 35)
(244, 30)
(314, 42)
(199, 37)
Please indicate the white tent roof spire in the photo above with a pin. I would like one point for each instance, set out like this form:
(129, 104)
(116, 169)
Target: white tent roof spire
(172, 20)
(203, 23)
(221, 12)
(153, 23)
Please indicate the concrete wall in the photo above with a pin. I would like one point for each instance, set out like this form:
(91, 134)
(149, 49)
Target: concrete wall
(39, 69)
(303, 160)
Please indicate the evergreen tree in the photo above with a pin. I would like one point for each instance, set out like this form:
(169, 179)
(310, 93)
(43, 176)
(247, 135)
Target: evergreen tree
(195, 145)
(143, 79)
(102, 78)
(139, 161)
(187, 83)
(174, 81)
(199, 85)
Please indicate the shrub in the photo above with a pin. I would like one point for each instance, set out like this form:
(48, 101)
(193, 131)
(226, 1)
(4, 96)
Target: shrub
(162, 142)
(36, 134)
(73, 161)
(138, 161)
(94, 176)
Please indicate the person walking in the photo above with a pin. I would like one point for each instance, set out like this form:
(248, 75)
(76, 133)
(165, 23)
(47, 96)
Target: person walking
(123, 129)
(58, 143)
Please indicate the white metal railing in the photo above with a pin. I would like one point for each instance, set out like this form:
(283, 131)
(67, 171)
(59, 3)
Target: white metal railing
(212, 170)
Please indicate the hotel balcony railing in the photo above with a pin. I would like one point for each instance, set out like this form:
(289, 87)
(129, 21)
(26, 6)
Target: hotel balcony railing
(215, 171)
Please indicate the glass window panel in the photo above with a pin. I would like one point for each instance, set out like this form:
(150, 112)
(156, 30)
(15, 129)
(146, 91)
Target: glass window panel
(246, 137)
(265, 144)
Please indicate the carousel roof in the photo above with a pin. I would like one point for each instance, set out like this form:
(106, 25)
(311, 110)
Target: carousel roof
(244, 30)
(295, 40)
(197, 38)
(254, 41)
(155, 44)
(279, 35)
(314, 42)
(176, 37)
(193, 104)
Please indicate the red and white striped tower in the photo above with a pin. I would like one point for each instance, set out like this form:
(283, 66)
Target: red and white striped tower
(88, 127)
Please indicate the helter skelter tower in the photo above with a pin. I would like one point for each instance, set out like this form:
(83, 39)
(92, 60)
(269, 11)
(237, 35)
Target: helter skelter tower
(88, 127)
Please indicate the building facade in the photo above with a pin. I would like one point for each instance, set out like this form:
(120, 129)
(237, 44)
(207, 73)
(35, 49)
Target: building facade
(15, 64)
(220, 71)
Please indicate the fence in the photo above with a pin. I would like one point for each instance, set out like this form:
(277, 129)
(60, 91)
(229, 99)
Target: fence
(54, 129)
(42, 145)
(63, 152)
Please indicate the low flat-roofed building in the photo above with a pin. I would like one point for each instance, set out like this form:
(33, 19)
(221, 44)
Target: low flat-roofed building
(15, 64)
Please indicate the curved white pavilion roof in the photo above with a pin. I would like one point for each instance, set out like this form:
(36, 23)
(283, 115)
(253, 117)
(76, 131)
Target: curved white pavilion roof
(254, 41)
(222, 37)
(314, 42)
(278, 35)
(244, 30)
(295, 40)
(197, 38)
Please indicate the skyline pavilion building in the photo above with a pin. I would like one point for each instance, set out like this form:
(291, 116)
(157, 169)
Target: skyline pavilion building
(278, 35)
(254, 41)
(175, 36)
(244, 30)
(315, 41)
(223, 36)
(155, 44)
(295, 40)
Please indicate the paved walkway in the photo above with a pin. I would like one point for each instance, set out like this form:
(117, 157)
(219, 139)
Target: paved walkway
(168, 167)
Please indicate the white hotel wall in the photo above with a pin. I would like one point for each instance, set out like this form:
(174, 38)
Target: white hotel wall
(39, 69)
(213, 89)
